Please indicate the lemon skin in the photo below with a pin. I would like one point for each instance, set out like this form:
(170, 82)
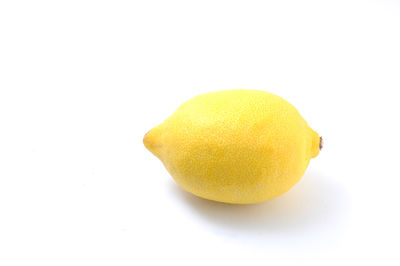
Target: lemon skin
(235, 146)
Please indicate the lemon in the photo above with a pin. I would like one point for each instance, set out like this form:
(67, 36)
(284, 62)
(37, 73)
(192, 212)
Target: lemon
(235, 146)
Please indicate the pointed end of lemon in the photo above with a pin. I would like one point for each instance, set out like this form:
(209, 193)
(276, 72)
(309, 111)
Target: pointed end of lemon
(151, 142)
(147, 142)
(317, 144)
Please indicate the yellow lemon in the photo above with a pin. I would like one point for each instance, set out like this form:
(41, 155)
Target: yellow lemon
(235, 146)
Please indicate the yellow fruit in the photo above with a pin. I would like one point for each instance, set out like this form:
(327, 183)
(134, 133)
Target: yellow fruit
(235, 146)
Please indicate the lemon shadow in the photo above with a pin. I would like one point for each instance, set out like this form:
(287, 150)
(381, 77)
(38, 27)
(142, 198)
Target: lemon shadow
(316, 203)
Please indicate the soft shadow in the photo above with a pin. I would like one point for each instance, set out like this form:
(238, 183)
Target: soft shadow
(315, 203)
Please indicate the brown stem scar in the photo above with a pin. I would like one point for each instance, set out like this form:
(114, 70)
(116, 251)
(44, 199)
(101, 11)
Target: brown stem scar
(321, 143)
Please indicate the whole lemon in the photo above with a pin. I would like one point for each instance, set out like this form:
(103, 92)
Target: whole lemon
(235, 146)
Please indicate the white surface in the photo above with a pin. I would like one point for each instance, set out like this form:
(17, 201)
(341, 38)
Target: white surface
(81, 82)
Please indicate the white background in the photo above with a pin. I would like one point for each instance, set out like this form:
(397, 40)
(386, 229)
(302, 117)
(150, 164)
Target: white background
(81, 82)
